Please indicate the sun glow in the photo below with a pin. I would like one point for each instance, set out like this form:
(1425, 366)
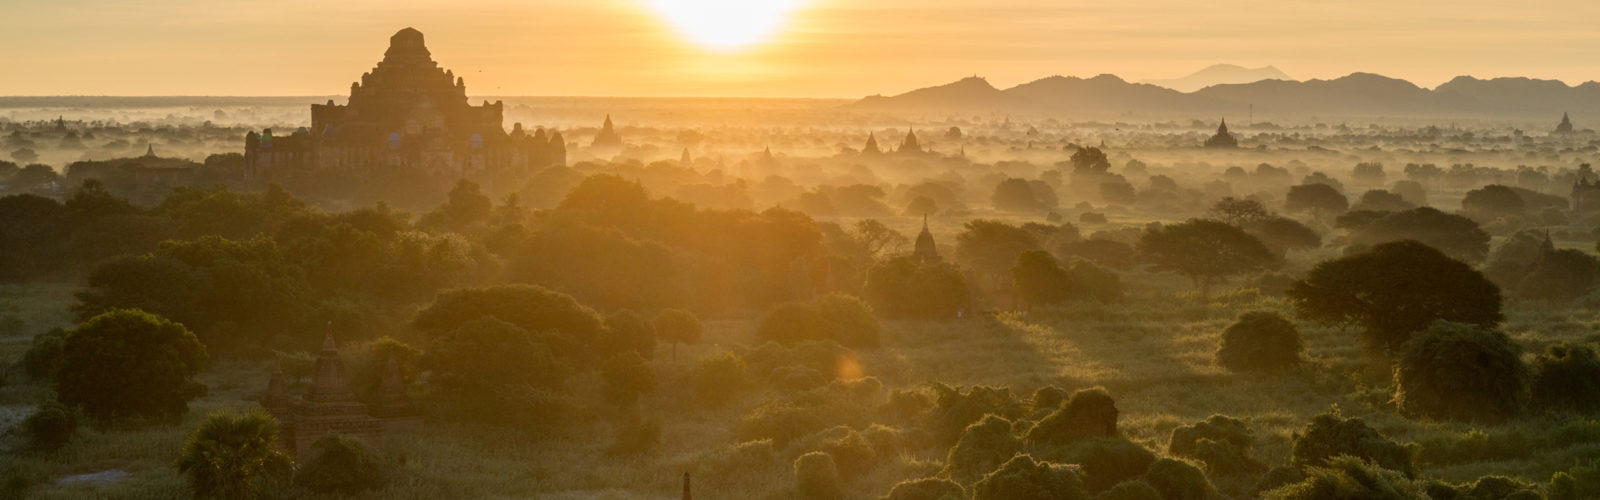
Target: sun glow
(725, 24)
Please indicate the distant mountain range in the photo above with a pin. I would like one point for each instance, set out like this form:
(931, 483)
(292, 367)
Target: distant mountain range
(1358, 94)
(1218, 74)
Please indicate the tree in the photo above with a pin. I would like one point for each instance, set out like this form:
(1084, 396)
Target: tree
(1239, 211)
(1281, 234)
(1318, 198)
(627, 376)
(50, 427)
(1329, 435)
(817, 478)
(529, 308)
(1040, 280)
(1560, 276)
(341, 465)
(877, 240)
(127, 363)
(678, 327)
(1393, 290)
(1205, 251)
(1455, 235)
(1379, 200)
(234, 456)
(1563, 379)
(1015, 195)
(1090, 160)
(627, 331)
(1492, 202)
(1022, 478)
(904, 288)
(1260, 341)
(496, 371)
(1457, 371)
(838, 317)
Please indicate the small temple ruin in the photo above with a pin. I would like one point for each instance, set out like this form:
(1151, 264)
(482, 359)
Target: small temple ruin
(1222, 139)
(329, 407)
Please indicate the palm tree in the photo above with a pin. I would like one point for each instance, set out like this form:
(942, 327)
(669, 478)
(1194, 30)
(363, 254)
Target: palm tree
(234, 456)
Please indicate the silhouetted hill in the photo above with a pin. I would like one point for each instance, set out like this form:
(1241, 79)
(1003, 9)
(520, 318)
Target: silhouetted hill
(1358, 94)
(969, 92)
(1218, 74)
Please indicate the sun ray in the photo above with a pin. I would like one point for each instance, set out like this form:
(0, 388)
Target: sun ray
(725, 24)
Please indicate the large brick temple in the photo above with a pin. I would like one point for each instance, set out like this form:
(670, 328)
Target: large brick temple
(407, 112)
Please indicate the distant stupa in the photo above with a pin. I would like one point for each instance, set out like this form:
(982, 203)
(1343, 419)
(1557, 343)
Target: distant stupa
(926, 251)
(872, 145)
(1223, 139)
(608, 137)
(910, 144)
(1565, 128)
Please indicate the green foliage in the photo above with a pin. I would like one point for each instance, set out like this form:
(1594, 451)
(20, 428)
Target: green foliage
(627, 376)
(1103, 461)
(635, 436)
(228, 291)
(1022, 478)
(1581, 481)
(1329, 436)
(837, 317)
(1492, 202)
(983, 447)
(627, 331)
(817, 477)
(1350, 478)
(1260, 341)
(1220, 442)
(903, 288)
(234, 456)
(1563, 379)
(779, 422)
(1395, 289)
(128, 363)
(954, 410)
(1205, 251)
(1040, 280)
(1461, 372)
(530, 308)
(1131, 490)
(720, 379)
(677, 326)
(44, 354)
(1095, 282)
(991, 247)
(466, 209)
(366, 368)
(928, 488)
(1318, 198)
(1088, 413)
(1282, 234)
(341, 465)
(1457, 236)
(50, 427)
(1560, 276)
(1179, 480)
(497, 372)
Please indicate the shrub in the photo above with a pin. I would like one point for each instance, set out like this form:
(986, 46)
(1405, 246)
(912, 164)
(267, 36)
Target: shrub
(635, 437)
(44, 354)
(1131, 490)
(816, 476)
(1260, 341)
(1087, 413)
(953, 410)
(720, 379)
(851, 451)
(1104, 461)
(367, 370)
(1179, 480)
(1349, 477)
(1221, 443)
(1484, 488)
(1564, 379)
(1022, 478)
(50, 427)
(626, 377)
(531, 308)
(234, 456)
(342, 465)
(1040, 280)
(885, 440)
(130, 363)
(1461, 372)
(498, 372)
(780, 422)
(983, 446)
(841, 318)
(1328, 436)
(928, 488)
(1095, 282)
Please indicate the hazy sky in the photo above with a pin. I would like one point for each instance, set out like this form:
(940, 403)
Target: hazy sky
(822, 48)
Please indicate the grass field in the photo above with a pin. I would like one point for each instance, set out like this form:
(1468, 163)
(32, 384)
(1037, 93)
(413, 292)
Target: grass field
(1154, 355)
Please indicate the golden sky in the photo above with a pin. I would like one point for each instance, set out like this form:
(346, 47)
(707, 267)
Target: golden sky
(819, 48)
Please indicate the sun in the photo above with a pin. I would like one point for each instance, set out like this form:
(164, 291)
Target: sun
(725, 24)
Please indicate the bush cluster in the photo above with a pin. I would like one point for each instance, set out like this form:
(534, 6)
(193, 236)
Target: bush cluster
(1465, 372)
(1260, 341)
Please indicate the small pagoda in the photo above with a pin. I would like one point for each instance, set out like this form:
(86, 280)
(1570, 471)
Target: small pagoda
(927, 252)
(1565, 127)
(330, 408)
